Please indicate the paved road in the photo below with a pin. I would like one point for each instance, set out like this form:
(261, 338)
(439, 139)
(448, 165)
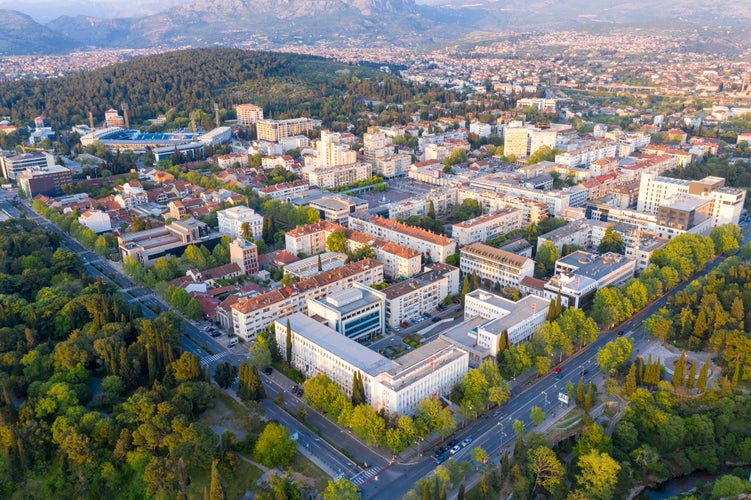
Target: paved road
(494, 431)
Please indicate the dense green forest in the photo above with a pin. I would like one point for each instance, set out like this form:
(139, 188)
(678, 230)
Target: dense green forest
(94, 400)
(285, 85)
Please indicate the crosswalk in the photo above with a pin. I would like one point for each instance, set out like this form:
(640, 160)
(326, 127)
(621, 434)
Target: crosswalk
(208, 359)
(364, 476)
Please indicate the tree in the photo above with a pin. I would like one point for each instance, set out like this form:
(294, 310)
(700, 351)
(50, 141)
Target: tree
(611, 242)
(432, 416)
(660, 325)
(630, 384)
(545, 468)
(588, 398)
(537, 415)
(289, 343)
(224, 374)
(543, 153)
(431, 209)
(455, 157)
(729, 486)
(679, 371)
(479, 455)
(460, 494)
(216, 491)
(598, 475)
(701, 382)
(358, 389)
(465, 287)
(274, 447)
(546, 255)
(320, 265)
(186, 368)
(726, 238)
(614, 353)
(337, 242)
(341, 489)
(475, 280)
(101, 247)
(260, 355)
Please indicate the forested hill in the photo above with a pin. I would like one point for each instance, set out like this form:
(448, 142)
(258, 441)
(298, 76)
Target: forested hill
(192, 80)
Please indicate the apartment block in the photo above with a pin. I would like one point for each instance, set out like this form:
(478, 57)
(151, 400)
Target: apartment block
(436, 247)
(337, 207)
(231, 221)
(14, 164)
(245, 254)
(285, 190)
(494, 264)
(43, 180)
(275, 130)
(248, 114)
(147, 246)
(340, 175)
(392, 165)
(421, 294)
(96, 220)
(586, 152)
(486, 227)
(358, 313)
(253, 314)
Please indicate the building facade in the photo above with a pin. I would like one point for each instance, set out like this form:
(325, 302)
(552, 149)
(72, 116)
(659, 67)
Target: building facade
(245, 254)
(358, 313)
(495, 265)
(231, 222)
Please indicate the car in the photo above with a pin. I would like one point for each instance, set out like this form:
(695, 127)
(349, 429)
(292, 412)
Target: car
(268, 370)
(441, 458)
(559, 376)
(465, 442)
(455, 449)
(452, 443)
(233, 342)
(215, 333)
(585, 372)
(440, 451)
(396, 328)
(435, 320)
(557, 370)
(621, 333)
(457, 301)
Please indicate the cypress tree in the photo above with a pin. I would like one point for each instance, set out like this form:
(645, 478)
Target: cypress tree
(358, 389)
(207, 374)
(289, 343)
(320, 265)
(630, 385)
(475, 280)
(484, 487)
(580, 391)
(503, 342)
(588, 399)
(558, 309)
(725, 386)
(551, 311)
(691, 380)
(679, 371)
(242, 383)
(256, 392)
(701, 383)
(505, 466)
(639, 371)
(646, 374)
(216, 492)
(460, 495)
(465, 287)
(442, 495)
(736, 375)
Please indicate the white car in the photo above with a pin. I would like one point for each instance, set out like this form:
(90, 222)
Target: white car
(466, 442)
(455, 449)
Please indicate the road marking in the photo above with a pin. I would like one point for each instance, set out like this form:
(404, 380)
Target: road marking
(208, 359)
(362, 477)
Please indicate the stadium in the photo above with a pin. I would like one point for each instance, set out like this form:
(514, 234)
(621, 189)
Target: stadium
(135, 140)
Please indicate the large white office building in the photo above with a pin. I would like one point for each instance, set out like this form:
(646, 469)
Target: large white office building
(395, 386)
(358, 313)
(494, 264)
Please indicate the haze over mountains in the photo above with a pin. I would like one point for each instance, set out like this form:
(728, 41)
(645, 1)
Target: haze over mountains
(269, 23)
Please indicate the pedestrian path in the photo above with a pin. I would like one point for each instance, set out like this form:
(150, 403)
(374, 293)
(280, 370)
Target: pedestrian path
(366, 475)
(208, 359)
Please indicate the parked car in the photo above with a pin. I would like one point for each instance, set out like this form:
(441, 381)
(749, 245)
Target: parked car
(441, 458)
(557, 370)
(435, 320)
(215, 333)
(621, 333)
(452, 443)
(585, 372)
(455, 449)
(268, 370)
(559, 376)
(466, 442)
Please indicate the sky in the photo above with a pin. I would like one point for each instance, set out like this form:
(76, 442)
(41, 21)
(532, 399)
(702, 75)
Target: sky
(45, 10)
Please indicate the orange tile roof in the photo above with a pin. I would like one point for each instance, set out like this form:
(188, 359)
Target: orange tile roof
(416, 232)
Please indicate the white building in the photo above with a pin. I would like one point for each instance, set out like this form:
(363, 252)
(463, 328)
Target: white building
(487, 316)
(308, 267)
(332, 151)
(248, 114)
(218, 135)
(584, 153)
(17, 163)
(435, 246)
(494, 264)
(96, 220)
(231, 221)
(340, 175)
(396, 387)
(486, 227)
(358, 313)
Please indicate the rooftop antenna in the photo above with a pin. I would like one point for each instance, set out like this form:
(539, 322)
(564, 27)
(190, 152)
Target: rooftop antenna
(124, 106)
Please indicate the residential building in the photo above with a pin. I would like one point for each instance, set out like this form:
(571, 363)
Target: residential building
(421, 294)
(436, 247)
(487, 316)
(231, 221)
(358, 313)
(245, 254)
(392, 165)
(540, 104)
(375, 145)
(308, 267)
(495, 265)
(641, 245)
(14, 164)
(332, 151)
(232, 159)
(486, 227)
(586, 152)
(285, 190)
(275, 130)
(253, 314)
(177, 209)
(340, 175)
(43, 180)
(96, 220)
(394, 386)
(209, 276)
(248, 114)
(580, 274)
(398, 261)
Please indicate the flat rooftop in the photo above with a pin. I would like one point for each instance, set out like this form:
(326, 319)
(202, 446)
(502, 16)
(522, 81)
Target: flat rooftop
(594, 266)
(330, 340)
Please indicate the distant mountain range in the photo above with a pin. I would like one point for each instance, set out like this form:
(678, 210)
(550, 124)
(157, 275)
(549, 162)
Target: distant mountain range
(270, 23)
